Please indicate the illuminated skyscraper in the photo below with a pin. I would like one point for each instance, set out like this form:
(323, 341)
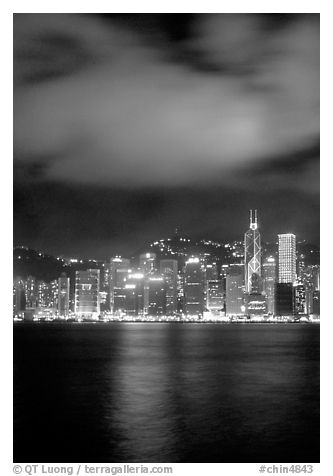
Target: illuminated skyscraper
(215, 295)
(54, 294)
(194, 287)
(134, 291)
(169, 270)
(19, 297)
(156, 296)
(269, 282)
(299, 299)
(31, 292)
(235, 289)
(252, 252)
(63, 295)
(310, 278)
(87, 293)
(43, 290)
(117, 277)
(287, 258)
(147, 262)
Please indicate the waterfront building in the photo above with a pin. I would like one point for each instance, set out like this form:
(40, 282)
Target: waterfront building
(147, 263)
(194, 295)
(299, 299)
(310, 278)
(156, 296)
(252, 252)
(135, 293)
(235, 289)
(63, 295)
(269, 276)
(284, 298)
(119, 268)
(316, 303)
(215, 296)
(19, 296)
(53, 294)
(255, 304)
(105, 286)
(287, 258)
(43, 293)
(31, 292)
(87, 284)
(169, 270)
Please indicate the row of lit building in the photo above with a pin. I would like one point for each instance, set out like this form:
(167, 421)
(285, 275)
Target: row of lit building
(202, 288)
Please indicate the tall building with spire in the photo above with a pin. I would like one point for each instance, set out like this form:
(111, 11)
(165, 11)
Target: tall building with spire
(252, 255)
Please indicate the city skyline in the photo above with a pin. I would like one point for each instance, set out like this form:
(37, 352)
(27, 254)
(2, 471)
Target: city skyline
(179, 280)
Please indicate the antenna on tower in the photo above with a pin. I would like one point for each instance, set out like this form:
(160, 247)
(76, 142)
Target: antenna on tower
(253, 219)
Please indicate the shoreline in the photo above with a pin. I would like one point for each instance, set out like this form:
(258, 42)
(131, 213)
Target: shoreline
(142, 321)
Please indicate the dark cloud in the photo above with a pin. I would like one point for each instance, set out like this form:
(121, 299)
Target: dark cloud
(137, 118)
(128, 125)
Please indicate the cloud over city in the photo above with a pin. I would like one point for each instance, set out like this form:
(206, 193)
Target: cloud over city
(98, 102)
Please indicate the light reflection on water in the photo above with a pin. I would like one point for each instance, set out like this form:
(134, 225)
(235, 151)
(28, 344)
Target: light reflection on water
(167, 393)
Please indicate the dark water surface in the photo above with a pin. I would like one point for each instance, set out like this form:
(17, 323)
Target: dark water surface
(166, 393)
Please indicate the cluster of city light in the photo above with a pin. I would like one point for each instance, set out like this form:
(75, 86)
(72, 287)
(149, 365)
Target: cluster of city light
(145, 293)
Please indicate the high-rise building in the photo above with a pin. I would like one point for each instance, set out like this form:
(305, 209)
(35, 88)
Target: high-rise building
(169, 270)
(53, 293)
(31, 292)
(299, 299)
(252, 253)
(63, 295)
(119, 268)
(194, 294)
(87, 293)
(287, 258)
(316, 303)
(310, 278)
(269, 282)
(235, 289)
(147, 262)
(212, 272)
(134, 290)
(44, 295)
(105, 286)
(129, 306)
(19, 297)
(215, 296)
(284, 299)
(255, 304)
(156, 296)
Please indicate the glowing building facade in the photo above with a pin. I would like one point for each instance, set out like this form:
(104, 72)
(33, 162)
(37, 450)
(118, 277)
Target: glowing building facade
(169, 270)
(87, 294)
(287, 258)
(63, 295)
(235, 290)
(215, 296)
(156, 296)
(117, 278)
(269, 282)
(147, 262)
(252, 253)
(194, 294)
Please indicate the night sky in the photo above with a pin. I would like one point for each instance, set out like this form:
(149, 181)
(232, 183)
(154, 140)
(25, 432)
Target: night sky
(126, 126)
